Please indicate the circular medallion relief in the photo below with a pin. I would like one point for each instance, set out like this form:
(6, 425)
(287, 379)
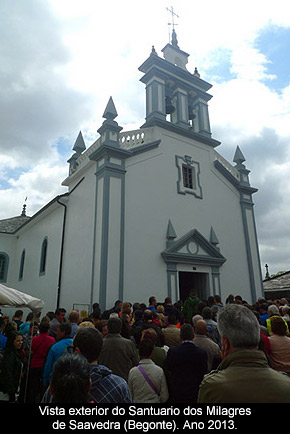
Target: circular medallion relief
(192, 248)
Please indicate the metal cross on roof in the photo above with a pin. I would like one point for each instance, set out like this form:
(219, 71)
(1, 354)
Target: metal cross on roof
(173, 14)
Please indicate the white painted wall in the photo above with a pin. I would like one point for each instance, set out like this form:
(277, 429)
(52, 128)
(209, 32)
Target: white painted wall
(31, 238)
(152, 199)
(78, 246)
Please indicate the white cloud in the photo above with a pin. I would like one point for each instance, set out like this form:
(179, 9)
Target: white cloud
(62, 60)
(40, 185)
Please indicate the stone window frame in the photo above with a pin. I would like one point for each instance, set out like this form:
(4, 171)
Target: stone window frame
(183, 187)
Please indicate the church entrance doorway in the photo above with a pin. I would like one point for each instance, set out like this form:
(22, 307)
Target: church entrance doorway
(190, 280)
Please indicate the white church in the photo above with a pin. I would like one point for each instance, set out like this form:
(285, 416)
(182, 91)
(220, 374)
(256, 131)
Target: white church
(155, 211)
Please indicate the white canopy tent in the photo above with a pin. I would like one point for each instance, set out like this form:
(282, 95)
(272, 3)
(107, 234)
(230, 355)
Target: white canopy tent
(13, 298)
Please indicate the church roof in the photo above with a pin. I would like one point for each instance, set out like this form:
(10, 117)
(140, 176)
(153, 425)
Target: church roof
(278, 282)
(10, 225)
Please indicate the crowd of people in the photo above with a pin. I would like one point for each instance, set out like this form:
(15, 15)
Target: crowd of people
(196, 351)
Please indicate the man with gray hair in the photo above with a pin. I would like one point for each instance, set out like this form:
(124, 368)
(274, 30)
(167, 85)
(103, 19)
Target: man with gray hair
(273, 311)
(244, 375)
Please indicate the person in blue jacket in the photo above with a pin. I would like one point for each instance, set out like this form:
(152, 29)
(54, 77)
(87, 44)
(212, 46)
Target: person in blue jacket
(63, 341)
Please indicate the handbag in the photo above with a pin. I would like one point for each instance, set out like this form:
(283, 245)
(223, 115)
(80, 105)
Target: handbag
(148, 380)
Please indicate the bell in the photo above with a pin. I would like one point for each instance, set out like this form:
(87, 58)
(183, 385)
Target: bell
(169, 107)
(191, 114)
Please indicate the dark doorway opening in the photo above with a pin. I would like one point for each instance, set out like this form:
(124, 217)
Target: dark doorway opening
(196, 281)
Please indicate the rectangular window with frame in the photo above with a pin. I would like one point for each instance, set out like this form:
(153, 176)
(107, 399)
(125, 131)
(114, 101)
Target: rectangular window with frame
(4, 261)
(188, 181)
(188, 174)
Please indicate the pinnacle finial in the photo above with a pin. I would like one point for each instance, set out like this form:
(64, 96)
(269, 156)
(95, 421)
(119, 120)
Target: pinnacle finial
(213, 238)
(239, 158)
(110, 112)
(196, 73)
(23, 214)
(171, 234)
(79, 145)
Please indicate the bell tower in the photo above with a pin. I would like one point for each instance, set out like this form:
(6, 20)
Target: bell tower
(173, 94)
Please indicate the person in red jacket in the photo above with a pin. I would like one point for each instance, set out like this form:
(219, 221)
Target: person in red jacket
(39, 348)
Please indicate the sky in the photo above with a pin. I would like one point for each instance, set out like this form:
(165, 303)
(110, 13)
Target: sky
(61, 60)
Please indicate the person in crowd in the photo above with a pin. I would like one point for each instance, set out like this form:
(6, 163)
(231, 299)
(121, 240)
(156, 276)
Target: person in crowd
(148, 322)
(24, 327)
(70, 380)
(161, 316)
(194, 320)
(171, 332)
(27, 338)
(238, 299)
(74, 319)
(58, 319)
(214, 312)
(264, 343)
(63, 340)
(118, 353)
(17, 318)
(263, 311)
(126, 326)
(230, 299)
(218, 300)
(106, 387)
(147, 382)
(88, 323)
(95, 308)
(279, 345)
(186, 365)
(244, 375)
(285, 310)
(273, 311)
(202, 340)
(190, 306)
(103, 327)
(116, 308)
(137, 319)
(169, 309)
(135, 306)
(137, 325)
(211, 324)
(96, 316)
(3, 338)
(126, 309)
(39, 348)
(50, 315)
(159, 353)
(12, 367)
(152, 303)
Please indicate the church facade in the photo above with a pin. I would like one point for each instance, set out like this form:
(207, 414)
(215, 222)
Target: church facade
(155, 211)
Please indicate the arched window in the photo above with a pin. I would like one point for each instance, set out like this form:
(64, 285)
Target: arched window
(21, 269)
(4, 262)
(43, 257)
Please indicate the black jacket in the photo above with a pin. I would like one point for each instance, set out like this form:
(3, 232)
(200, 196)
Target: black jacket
(186, 364)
